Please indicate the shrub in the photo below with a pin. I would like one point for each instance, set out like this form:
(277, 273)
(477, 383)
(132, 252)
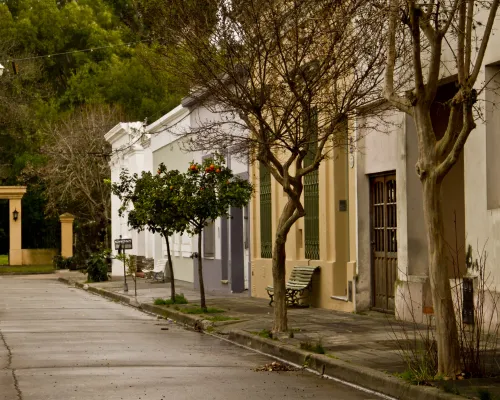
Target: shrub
(97, 266)
(179, 299)
(313, 347)
(60, 262)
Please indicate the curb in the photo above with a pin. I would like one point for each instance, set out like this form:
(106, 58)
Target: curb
(337, 369)
(186, 319)
(355, 374)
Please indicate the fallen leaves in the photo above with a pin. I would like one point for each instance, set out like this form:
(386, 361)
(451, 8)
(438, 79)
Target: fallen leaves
(275, 366)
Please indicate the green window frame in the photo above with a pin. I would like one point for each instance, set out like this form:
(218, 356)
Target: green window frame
(311, 193)
(266, 244)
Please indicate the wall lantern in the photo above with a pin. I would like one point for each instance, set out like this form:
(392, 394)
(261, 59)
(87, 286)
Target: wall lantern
(1, 69)
(15, 214)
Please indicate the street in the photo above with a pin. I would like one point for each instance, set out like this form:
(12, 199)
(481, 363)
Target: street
(58, 342)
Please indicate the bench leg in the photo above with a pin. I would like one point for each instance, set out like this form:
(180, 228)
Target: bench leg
(271, 296)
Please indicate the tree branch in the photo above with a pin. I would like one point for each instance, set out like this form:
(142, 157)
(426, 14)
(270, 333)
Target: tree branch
(389, 93)
(459, 144)
(484, 43)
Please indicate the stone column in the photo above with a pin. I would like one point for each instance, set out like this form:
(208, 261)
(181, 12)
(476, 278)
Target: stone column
(15, 252)
(66, 234)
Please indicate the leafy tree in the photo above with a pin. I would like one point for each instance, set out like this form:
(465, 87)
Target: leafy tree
(293, 71)
(41, 105)
(154, 204)
(208, 192)
(434, 38)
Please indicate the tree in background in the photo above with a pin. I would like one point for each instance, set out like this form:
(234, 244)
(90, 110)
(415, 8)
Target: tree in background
(44, 93)
(283, 77)
(437, 37)
(77, 165)
(152, 202)
(208, 192)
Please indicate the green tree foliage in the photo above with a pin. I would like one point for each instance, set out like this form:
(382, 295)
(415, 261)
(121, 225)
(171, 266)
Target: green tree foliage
(115, 68)
(153, 202)
(209, 191)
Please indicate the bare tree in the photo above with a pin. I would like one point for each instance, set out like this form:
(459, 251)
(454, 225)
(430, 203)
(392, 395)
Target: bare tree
(282, 78)
(443, 38)
(78, 165)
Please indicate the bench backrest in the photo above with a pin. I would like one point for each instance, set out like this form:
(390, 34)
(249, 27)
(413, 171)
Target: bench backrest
(160, 265)
(302, 275)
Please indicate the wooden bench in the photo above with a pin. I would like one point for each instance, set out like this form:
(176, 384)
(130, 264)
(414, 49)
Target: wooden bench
(298, 287)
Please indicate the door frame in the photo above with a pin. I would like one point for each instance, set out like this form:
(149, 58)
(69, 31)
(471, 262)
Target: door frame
(371, 178)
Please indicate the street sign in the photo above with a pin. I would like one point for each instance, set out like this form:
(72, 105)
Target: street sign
(123, 244)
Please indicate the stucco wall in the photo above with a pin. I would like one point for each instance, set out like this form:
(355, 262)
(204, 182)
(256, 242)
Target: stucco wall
(38, 256)
(336, 265)
(481, 152)
(379, 150)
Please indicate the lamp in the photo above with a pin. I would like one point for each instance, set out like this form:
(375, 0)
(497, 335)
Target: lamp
(15, 214)
(2, 68)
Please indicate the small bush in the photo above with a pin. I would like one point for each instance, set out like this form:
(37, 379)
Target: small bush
(313, 347)
(179, 299)
(71, 264)
(97, 266)
(265, 333)
(58, 261)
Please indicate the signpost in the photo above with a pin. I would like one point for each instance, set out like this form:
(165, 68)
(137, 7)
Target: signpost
(121, 245)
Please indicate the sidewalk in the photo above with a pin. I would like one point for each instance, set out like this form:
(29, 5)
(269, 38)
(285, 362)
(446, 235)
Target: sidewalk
(366, 341)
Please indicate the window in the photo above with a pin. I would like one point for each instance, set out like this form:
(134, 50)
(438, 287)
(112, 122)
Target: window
(209, 240)
(265, 212)
(311, 191)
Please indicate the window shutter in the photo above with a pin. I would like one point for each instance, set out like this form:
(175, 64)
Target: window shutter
(209, 240)
(265, 212)
(311, 193)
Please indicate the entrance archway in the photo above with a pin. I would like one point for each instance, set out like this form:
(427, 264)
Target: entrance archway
(14, 194)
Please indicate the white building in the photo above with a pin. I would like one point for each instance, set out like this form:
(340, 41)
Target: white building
(226, 241)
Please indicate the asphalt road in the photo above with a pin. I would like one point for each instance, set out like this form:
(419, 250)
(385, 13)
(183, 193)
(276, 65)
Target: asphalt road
(58, 342)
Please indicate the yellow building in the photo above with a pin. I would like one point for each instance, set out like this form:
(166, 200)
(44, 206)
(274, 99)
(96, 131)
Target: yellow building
(325, 237)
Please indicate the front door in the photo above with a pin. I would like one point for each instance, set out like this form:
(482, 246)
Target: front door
(384, 241)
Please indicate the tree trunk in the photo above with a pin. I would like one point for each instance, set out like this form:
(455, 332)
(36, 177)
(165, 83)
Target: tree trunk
(279, 270)
(279, 285)
(446, 326)
(171, 269)
(203, 303)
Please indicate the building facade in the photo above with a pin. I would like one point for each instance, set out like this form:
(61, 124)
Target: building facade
(226, 249)
(392, 244)
(325, 237)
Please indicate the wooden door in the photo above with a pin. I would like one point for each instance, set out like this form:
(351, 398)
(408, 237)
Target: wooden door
(384, 241)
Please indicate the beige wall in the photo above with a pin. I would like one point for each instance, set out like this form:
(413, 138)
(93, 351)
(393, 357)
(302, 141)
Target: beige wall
(336, 232)
(38, 256)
